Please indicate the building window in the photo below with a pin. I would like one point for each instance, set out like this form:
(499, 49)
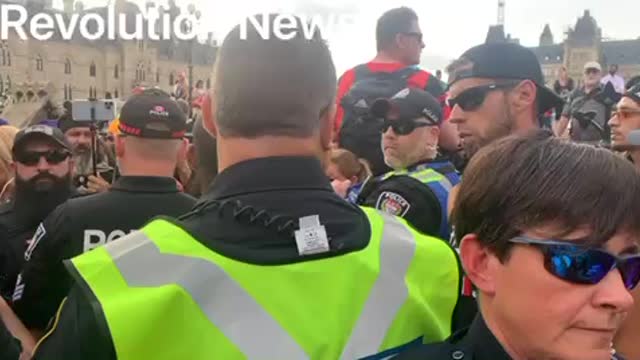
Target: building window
(158, 76)
(116, 72)
(171, 79)
(115, 93)
(140, 72)
(208, 84)
(5, 54)
(92, 69)
(67, 66)
(66, 92)
(39, 63)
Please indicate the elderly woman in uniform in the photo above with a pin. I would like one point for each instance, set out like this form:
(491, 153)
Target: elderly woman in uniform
(550, 234)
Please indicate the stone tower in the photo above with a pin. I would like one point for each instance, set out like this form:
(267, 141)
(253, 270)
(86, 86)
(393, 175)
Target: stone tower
(546, 38)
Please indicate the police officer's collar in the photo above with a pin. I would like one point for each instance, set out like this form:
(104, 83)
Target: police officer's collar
(268, 174)
(148, 184)
(481, 342)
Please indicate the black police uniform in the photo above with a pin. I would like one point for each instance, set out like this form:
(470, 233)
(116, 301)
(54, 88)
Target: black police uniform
(475, 343)
(10, 347)
(81, 225)
(411, 199)
(246, 215)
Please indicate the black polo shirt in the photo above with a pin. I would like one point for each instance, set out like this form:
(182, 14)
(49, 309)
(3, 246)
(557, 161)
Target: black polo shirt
(80, 225)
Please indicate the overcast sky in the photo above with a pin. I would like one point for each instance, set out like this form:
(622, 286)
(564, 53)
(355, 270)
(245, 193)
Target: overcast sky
(449, 26)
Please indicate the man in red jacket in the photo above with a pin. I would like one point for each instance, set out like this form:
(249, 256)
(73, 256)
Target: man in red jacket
(399, 45)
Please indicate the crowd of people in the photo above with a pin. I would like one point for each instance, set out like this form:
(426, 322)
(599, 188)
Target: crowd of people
(382, 214)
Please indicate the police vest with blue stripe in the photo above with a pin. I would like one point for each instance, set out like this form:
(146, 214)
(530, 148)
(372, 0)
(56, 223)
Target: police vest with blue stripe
(440, 177)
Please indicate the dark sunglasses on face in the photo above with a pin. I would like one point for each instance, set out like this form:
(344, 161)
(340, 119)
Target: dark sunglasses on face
(582, 265)
(624, 114)
(31, 158)
(403, 127)
(472, 98)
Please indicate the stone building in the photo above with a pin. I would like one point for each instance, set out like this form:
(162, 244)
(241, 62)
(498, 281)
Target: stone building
(57, 69)
(584, 43)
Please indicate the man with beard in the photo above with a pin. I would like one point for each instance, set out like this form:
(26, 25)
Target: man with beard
(495, 90)
(149, 144)
(42, 170)
(78, 133)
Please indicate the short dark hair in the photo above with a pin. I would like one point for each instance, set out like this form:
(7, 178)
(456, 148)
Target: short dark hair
(521, 182)
(272, 86)
(632, 82)
(392, 23)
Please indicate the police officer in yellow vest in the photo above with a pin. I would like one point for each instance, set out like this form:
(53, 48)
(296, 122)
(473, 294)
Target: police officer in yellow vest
(271, 264)
(418, 187)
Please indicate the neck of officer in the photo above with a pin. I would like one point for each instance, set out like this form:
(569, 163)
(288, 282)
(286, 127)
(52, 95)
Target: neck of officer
(385, 56)
(140, 166)
(232, 151)
(498, 331)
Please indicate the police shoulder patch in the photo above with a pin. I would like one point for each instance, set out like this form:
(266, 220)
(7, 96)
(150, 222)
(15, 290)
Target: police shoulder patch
(40, 233)
(393, 204)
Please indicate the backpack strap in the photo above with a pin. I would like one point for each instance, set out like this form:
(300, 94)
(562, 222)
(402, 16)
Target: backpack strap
(362, 71)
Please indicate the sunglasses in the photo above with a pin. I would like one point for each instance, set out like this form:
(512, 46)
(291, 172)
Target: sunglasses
(581, 265)
(417, 35)
(403, 127)
(624, 114)
(472, 98)
(31, 158)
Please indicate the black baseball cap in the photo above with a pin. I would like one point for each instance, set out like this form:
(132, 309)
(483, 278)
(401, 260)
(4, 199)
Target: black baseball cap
(41, 131)
(507, 61)
(409, 104)
(633, 93)
(153, 115)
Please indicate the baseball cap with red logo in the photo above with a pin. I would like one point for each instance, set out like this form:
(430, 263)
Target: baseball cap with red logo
(152, 114)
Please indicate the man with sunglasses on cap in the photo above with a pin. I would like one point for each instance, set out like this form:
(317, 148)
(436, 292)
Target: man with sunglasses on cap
(418, 187)
(42, 168)
(495, 90)
(552, 272)
(588, 109)
(149, 144)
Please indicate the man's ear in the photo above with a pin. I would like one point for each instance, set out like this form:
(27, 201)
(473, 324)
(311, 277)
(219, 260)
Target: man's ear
(208, 115)
(326, 126)
(183, 150)
(477, 262)
(524, 95)
(118, 143)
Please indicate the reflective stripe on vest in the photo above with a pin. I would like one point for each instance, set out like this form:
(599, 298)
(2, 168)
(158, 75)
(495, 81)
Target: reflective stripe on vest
(387, 295)
(143, 265)
(190, 302)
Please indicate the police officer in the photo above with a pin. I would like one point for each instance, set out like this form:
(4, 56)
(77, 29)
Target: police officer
(42, 173)
(148, 147)
(418, 187)
(271, 264)
(553, 274)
